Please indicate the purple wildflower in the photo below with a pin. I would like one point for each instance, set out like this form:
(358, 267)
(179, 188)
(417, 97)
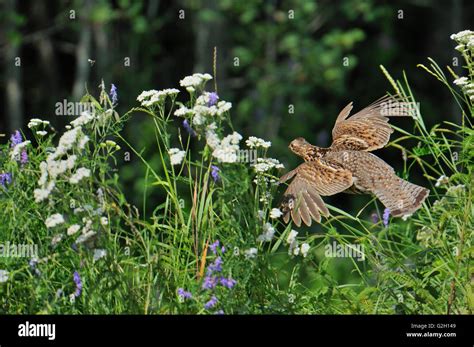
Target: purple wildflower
(216, 266)
(210, 282)
(386, 215)
(228, 282)
(211, 303)
(5, 178)
(188, 128)
(113, 94)
(214, 246)
(16, 138)
(215, 173)
(213, 98)
(184, 294)
(24, 157)
(375, 218)
(223, 249)
(33, 263)
(78, 282)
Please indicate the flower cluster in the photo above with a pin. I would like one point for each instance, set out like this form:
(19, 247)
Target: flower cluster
(294, 248)
(441, 181)
(225, 151)
(176, 156)
(386, 216)
(267, 164)
(197, 80)
(62, 161)
(465, 40)
(78, 282)
(5, 179)
(154, 97)
(18, 152)
(268, 233)
(213, 275)
(255, 142)
(61, 167)
(113, 94)
(250, 253)
(35, 122)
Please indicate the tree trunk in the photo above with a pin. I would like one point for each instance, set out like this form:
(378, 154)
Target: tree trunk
(14, 91)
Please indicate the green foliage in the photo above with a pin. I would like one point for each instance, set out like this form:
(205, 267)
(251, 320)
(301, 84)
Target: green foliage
(169, 262)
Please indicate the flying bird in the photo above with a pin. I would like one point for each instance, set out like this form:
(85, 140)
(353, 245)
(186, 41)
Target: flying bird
(348, 166)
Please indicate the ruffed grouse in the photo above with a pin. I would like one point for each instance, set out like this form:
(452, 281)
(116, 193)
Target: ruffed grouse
(347, 166)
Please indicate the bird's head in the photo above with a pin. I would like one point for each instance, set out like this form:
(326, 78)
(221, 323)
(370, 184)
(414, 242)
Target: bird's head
(304, 149)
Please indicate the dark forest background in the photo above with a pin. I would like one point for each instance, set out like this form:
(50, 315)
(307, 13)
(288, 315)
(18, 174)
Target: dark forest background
(314, 55)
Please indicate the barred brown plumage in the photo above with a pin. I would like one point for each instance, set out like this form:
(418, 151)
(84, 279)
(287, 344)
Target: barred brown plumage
(347, 166)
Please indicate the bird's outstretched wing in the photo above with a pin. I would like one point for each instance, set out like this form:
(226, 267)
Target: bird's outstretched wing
(368, 129)
(302, 199)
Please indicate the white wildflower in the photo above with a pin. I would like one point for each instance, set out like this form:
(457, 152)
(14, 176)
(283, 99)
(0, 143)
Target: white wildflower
(58, 167)
(291, 237)
(182, 111)
(462, 36)
(275, 213)
(104, 221)
(82, 142)
(34, 122)
(196, 80)
(85, 237)
(255, 142)
(15, 154)
(66, 142)
(442, 180)
(99, 253)
(198, 119)
(85, 118)
(462, 81)
(266, 164)
(212, 139)
(54, 220)
(268, 233)
(73, 229)
(4, 274)
(44, 173)
(304, 249)
(169, 91)
(41, 133)
(81, 173)
(250, 253)
(146, 94)
(41, 194)
(223, 106)
(71, 161)
(56, 239)
(176, 156)
(233, 138)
